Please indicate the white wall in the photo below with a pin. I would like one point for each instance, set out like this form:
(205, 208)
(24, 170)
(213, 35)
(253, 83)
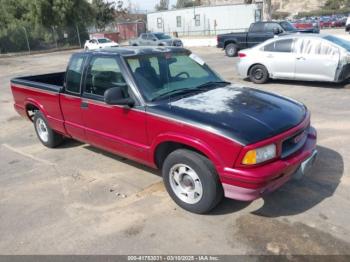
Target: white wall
(228, 18)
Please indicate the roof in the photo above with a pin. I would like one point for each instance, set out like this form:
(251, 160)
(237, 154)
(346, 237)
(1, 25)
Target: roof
(139, 50)
(302, 35)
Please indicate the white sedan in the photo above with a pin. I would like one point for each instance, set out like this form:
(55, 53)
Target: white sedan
(304, 57)
(97, 43)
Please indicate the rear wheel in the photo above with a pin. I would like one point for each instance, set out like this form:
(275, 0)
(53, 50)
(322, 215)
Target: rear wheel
(191, 181)
(258, 74)
(46, 135)
(231, 50)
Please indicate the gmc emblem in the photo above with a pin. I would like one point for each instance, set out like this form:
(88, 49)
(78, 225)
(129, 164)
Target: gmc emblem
(298, 138)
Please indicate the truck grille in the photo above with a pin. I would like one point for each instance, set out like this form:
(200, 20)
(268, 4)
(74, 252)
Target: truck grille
(294, 143)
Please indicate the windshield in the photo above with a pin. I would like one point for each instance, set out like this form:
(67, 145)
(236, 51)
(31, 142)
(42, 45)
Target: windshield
(161, 36)
(338, 41)
(288, 27)
(103, 40)
(170, 73)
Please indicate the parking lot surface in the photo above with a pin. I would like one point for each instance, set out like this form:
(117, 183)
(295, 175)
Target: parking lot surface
(77, 199)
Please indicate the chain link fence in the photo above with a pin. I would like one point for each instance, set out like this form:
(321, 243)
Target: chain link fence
(205, 32)
(20, 39)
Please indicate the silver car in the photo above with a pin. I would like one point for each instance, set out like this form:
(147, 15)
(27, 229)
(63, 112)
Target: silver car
(297, 57)
(155, 39)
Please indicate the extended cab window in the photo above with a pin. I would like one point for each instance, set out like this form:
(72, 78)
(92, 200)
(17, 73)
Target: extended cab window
(257, 27)
(73, 75)
(283, 46)
(103, 73)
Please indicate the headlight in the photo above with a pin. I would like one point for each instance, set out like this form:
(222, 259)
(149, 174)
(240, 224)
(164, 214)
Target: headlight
(259, 155)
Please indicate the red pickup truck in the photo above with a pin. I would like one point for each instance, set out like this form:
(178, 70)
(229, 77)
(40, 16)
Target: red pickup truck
(164, 107)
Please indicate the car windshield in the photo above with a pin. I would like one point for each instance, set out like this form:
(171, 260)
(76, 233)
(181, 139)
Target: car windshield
(162, 75)
(103, 40)
(288, 27)
(161, 36)
(338, 41)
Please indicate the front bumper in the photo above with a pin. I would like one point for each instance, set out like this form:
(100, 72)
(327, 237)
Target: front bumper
(252, 183)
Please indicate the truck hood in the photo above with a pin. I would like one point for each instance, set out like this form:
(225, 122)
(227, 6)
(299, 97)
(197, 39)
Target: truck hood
(241, 114)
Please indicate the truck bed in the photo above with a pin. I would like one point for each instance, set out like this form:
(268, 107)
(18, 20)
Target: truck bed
(50, 82)
(42, 92)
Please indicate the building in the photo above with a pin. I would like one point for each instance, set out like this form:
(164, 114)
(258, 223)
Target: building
(205, 20)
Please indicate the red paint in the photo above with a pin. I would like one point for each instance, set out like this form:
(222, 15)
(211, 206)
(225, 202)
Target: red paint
(136, 134)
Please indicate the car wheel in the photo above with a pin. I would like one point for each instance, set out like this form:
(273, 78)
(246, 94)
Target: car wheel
(258, 74)
(191, 181)
(231, 50)
(46, 135)
(134, 45)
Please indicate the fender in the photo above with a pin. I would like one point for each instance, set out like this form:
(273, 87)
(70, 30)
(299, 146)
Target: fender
(37, 104)
(194, 142)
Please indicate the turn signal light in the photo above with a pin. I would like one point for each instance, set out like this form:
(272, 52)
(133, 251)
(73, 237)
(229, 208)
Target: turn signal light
(259, 155)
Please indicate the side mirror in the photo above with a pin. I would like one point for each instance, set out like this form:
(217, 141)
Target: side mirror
(154, 39)
(115, 96)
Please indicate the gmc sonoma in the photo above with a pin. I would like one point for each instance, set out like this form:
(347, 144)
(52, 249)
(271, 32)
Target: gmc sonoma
(164, 107)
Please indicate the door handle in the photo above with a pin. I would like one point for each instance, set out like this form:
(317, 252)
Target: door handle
(84, 105)
(301, 58)
(270, 56)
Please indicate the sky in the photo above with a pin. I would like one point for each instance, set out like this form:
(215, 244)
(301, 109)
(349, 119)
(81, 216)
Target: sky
(146, 4)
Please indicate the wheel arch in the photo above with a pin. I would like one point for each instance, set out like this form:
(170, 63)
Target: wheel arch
(31, 106)
(250, 68)
(230, 41)
(168, 143)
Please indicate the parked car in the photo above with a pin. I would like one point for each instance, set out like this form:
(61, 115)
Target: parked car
(258, 32)
(165, 108)
(297, 57)
(98, 43)
(158, 39)
(307, 26)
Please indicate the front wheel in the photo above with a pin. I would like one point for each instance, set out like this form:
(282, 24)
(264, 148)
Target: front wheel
(258, 74)
(46, 135)
(191, 181)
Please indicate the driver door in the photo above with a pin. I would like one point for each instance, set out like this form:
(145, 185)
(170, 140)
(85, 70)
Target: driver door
(119, 129)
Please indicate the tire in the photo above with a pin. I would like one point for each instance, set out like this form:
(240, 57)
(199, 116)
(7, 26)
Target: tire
(46, 135)
(231, 50)
(258, 74)
(198, 189)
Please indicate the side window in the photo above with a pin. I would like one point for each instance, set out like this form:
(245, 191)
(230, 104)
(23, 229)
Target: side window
(269, 27)
(257, 27)
(178, 21)
(144, 36)
(151, 36)
(73, 75)
(103, 73)
(197, 20)
(282, 46)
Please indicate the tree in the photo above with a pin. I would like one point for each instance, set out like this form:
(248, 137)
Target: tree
(163, 5)
(187, 3)
(103, 13)
(267, 10)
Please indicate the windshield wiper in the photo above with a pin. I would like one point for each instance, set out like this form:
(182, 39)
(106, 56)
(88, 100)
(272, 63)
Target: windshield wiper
(211, 83)
(173, 92)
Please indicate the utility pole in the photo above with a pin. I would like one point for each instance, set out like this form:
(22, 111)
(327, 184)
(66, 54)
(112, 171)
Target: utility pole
(76, 25)
(25, 33)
